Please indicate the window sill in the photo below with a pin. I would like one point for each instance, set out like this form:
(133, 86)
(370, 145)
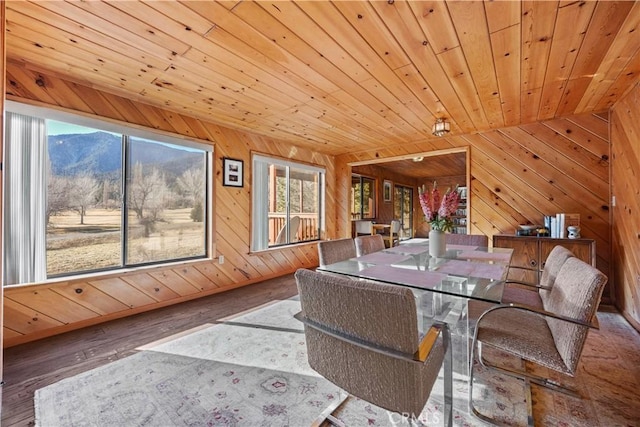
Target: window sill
(281, 247)
(105, 274)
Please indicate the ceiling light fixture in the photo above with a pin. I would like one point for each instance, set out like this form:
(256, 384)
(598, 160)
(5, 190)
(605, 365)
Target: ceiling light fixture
(418, 159)
(441, 127)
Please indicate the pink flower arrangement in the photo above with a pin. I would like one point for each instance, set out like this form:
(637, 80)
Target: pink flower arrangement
(438, 209)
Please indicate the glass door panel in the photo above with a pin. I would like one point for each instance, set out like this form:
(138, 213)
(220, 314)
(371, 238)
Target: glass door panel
(402, 210)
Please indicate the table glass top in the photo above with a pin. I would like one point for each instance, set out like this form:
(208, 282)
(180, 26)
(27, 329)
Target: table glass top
(465, 271)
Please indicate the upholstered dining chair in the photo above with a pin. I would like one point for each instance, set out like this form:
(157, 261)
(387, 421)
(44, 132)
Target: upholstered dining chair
(467, 239)
(330, 251)
(552, 336)
(368, 244)
(363, 336)
(534, 294)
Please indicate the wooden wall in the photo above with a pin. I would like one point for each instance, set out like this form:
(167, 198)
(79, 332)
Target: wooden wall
(520, 173)
(625, 180)
(33, 312)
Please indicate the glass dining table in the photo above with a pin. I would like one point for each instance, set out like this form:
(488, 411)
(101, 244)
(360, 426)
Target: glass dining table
(442, 286)
(467, 272)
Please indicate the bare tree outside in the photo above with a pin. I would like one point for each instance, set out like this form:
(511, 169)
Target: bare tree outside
(148, 195)
(191, 185)
(82, 194)
(57, 195)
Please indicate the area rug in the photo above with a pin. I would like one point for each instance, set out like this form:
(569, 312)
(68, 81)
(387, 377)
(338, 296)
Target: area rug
(250, 370)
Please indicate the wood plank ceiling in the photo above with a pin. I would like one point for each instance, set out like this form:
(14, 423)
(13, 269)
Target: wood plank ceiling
(427, 168)
(341, 76)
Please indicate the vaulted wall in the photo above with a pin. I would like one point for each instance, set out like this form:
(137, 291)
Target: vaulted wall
(521, 173)
(625, 180)
(33, 312)
(518, 174)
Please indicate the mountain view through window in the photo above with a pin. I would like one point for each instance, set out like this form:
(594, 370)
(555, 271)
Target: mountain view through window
(163, 194)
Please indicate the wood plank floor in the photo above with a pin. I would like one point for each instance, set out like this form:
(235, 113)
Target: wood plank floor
(31, 366)
(615, 348)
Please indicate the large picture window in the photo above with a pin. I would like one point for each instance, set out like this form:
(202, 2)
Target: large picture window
(287, 202)
(108, 197)
(363, 197)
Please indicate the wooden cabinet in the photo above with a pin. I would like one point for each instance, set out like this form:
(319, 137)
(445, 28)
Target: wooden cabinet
(531, 252)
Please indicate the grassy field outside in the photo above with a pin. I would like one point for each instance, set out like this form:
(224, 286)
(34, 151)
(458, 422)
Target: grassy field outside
(96, 244)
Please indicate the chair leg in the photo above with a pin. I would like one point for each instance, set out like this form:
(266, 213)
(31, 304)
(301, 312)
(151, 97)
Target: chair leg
(536, 379)
(448, 379)
(334, 421)
(472, 407)
(327, 414)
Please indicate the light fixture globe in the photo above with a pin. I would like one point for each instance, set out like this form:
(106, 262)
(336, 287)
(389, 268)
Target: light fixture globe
(441, 127)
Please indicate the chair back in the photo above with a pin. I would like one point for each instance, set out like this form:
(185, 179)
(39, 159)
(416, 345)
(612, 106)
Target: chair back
(292, 225)
(368, 244)
(378, 313)
(379, 320)
(467, 239)
(364, 227)
(330, 251)
(576, 294)
(554, 262)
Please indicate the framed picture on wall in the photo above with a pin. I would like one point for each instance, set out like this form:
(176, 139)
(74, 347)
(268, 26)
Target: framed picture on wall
(386, 191)
(233, 170)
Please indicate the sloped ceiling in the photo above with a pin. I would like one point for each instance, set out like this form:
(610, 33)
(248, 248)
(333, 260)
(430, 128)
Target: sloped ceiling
(341, 76)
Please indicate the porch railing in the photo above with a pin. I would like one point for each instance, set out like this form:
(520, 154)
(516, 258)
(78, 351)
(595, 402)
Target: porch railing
(307, 230)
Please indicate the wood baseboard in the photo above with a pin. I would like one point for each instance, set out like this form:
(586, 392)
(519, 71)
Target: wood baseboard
(633, 322)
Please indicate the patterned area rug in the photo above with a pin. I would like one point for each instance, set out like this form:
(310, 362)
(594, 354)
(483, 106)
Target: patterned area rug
(250, 370)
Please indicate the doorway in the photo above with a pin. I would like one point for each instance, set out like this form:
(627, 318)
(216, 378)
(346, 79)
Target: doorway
(449, 168)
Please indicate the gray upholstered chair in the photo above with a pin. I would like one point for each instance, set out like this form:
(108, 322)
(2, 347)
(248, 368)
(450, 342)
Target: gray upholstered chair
(330, 251)
(467, 239)
(368, 244)
(534, 294)
(373, 353)
(553, 336)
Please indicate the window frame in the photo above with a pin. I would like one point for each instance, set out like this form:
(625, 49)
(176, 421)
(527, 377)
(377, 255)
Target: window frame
(258, 242)
(374, 186)
(127, 130)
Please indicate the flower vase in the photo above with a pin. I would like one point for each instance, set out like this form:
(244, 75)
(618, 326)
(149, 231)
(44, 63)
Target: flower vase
(437, 243)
